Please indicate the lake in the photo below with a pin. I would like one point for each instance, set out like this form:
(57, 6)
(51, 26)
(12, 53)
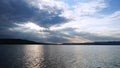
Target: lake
(59, 56)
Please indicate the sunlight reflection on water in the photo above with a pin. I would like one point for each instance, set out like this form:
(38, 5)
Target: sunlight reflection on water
(32, 57)
(62, 56)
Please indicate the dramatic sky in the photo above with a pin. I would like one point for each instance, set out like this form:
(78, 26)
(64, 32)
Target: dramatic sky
(60, 20)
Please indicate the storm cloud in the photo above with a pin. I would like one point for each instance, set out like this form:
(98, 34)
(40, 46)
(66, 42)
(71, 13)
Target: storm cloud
(18, 11)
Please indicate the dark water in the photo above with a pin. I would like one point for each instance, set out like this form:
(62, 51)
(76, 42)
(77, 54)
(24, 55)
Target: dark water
(62, 56)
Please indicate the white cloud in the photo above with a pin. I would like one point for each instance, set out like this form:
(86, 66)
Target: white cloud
(114, 16)
(30, 28)
(46, 4)
(86, 18)
(89, 8)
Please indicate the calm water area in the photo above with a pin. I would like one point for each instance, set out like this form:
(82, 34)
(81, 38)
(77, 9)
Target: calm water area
(59, 56)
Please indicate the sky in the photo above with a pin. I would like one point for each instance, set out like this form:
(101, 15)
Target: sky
(60, 21)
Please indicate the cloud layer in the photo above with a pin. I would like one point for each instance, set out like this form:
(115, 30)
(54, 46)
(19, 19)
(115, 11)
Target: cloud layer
(59, 20)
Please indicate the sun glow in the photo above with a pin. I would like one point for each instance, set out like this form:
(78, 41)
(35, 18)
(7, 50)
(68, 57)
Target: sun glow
(30, 28)
(37, 28)
(33, 26)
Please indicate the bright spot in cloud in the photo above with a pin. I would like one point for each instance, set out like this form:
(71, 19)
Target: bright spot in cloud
(31, 26)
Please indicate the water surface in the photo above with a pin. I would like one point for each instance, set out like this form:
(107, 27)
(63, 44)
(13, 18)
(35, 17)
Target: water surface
(59, 56)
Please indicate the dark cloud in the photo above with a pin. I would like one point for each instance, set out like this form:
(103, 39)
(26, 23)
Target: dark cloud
(15, 11)
(56, 39)
(19, 11)
(85, 35)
